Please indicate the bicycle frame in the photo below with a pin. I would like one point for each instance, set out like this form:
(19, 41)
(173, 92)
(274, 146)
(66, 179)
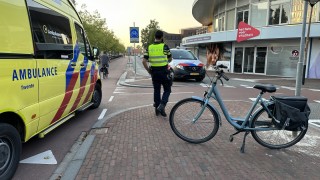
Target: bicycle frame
(246, 122)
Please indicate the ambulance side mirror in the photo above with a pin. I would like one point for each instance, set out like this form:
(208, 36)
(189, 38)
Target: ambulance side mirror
(96, 53)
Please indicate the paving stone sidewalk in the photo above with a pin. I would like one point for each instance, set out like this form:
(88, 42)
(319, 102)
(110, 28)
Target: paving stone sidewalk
(140, 145)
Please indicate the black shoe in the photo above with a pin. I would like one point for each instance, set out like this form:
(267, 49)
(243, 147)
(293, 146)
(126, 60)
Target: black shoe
(157, 112)
(161, 110)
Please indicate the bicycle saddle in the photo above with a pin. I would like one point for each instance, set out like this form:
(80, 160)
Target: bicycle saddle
(266, 87)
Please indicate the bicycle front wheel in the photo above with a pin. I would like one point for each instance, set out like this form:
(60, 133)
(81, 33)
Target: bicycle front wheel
(274, 139)
(181, 121)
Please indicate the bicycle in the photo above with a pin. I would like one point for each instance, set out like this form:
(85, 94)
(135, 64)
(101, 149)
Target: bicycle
(104, 71)
(196, 120)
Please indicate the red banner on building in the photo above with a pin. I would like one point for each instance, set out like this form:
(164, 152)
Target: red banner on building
(245, 31)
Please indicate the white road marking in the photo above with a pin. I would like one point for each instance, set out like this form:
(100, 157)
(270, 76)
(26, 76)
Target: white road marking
(317, 101)
(312, 121)
(228, 86)
(314, 89)
(46, 157)
(250, 80)
(102, 114)
(246, 86)
(111, 98)
(254, 99)
(225, 85)
(119, 90)
(205, 85)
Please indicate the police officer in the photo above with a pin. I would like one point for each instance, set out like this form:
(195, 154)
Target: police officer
(158, 55)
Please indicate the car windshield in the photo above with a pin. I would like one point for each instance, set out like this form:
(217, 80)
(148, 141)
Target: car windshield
(181, 54)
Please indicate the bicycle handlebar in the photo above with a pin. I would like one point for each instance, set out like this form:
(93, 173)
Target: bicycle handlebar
(220, 72)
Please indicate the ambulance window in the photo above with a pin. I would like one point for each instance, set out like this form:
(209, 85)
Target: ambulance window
(80, 39)
(89, 49)
(83, 42)
(51, 32)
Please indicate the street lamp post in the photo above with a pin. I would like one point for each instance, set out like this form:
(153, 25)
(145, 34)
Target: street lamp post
(302, 45)
(312, 3)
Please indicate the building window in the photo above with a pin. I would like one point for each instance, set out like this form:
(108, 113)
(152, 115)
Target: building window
(242, 15)
(221, 22)
(216, 24)
(259, 15)
(230, 19)
(279, 12)
(297, 12)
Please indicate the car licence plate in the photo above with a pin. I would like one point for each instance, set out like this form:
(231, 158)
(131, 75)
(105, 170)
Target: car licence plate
(194, 74)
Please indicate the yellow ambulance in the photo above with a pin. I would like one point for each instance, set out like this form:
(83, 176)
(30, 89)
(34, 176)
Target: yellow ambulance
(47, 72)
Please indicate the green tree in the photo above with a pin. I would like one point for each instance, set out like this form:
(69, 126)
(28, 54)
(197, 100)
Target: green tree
(98, 33)
(147, 34)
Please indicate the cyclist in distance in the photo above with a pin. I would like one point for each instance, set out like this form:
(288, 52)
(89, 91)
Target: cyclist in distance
(104, 65)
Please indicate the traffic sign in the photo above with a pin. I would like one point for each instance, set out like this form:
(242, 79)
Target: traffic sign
(134, 34)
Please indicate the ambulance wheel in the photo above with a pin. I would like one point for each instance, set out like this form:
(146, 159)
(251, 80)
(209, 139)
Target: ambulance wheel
(10, 150)
(96, 97)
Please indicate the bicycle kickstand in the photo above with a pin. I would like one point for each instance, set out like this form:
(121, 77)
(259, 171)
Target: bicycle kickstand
(244, 141)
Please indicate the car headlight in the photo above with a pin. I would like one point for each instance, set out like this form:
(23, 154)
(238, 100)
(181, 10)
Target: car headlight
(179, 67)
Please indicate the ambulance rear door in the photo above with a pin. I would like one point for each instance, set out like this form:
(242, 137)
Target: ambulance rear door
(18, 68)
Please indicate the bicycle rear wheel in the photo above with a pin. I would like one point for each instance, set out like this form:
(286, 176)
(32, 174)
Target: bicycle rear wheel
(181, 121)
(274, 139)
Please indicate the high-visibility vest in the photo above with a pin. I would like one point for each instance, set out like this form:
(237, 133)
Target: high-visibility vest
(157, 57)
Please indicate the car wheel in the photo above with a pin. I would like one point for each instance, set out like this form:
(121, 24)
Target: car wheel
(10, 150)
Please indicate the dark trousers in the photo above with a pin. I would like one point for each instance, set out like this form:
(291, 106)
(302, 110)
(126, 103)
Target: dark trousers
(161, 78)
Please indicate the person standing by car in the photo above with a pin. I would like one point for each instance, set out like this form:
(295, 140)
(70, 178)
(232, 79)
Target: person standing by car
(158, 55)
(104, 65)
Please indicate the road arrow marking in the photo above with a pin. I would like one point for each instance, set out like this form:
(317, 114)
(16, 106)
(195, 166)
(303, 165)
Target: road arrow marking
(43, 158)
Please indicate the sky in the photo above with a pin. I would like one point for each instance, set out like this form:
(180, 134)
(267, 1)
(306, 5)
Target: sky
(120, 15)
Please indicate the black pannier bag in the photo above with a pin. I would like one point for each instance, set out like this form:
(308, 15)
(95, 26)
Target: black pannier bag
(290, 112)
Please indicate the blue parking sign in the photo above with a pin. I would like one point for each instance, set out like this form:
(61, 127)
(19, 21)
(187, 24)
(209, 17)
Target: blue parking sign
(134, 34)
